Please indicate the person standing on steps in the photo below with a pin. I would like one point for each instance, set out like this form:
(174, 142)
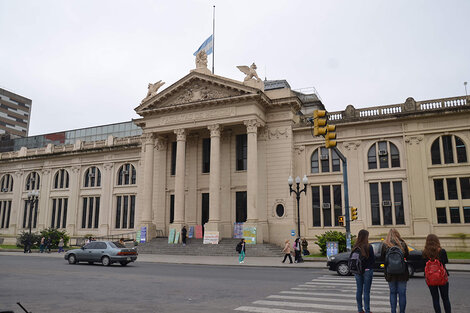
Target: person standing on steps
(241, 251)
(184, 231)
(286, 251)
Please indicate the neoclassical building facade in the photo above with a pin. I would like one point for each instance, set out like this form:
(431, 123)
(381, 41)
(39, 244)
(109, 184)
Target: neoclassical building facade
(214, 151)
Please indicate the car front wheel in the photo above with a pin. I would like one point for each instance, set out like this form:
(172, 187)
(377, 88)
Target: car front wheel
(342, 269)
(72, 259)
(106, 261)
(411, 270)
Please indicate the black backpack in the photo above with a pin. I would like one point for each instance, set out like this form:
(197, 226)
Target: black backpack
(355, 262)
(395, 261)
(239, 247)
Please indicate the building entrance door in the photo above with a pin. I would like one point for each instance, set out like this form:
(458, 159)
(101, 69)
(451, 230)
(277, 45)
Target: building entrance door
(205, 209)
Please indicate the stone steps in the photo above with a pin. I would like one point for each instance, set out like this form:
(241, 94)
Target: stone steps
(226, 247)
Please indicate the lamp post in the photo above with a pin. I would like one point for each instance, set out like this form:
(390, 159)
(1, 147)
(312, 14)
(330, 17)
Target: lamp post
(297, 192)
(32, 200)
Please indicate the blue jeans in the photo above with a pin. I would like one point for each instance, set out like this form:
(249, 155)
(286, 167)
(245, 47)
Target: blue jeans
(363, 284)
(241, 256)
(397, 288)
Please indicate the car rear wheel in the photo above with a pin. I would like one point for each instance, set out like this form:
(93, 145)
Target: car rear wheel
(106, 261)
(342, 269)
(411, 270)
(72, 259)
(124, 263)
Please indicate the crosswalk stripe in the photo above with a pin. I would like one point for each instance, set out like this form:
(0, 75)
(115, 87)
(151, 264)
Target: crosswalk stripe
(374, 282)
(333, 288)
(373, 302)
(268, 310)
(328, 294)
(315, 306)
(340, 285)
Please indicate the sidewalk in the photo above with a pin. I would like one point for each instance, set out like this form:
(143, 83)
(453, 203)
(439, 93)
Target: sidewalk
(228, 260)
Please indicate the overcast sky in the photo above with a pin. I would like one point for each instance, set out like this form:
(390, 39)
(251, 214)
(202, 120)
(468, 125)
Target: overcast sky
(86, 63)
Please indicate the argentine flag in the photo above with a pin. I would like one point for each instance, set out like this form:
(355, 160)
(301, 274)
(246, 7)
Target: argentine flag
(206, 46)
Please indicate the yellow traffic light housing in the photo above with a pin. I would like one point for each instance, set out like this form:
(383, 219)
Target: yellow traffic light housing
(330, 134)
(353, 213)
(319, 122)
(341, 220)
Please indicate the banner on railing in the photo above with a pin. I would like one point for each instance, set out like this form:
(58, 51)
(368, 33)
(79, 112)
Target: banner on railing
(211, 237)
(191, 232)
(249, 233)
(198, 231)
(238, 230)
(171, 236)
(143, 234)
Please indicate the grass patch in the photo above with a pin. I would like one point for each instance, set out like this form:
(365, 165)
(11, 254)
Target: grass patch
(315, 255)
(458, 255)
(9, 247)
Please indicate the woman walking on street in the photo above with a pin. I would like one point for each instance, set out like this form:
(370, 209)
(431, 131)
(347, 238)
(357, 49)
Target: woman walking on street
(366, 259)
(395, 251)
(286, 250)
(433, 251)
(241, 251)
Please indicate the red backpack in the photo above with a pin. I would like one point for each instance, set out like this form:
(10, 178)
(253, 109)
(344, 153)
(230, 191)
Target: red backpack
(435, 273)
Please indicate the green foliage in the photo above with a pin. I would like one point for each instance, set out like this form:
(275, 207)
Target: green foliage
(55, 235)
(332, 235)
(33, 239)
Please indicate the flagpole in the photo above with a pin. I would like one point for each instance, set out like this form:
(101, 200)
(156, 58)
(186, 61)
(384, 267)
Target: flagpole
(213, 39)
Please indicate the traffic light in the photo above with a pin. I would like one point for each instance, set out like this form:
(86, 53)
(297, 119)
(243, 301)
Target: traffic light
(353, 213)
(330, 134)
(341, 220)
(319, 122)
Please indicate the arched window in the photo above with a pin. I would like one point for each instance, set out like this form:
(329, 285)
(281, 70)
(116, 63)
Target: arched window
(443, 149)
(32, 181)
(92, 177)
(6, 184)
(126, 175)
(61, 179)
(386, 153)
(326, 159)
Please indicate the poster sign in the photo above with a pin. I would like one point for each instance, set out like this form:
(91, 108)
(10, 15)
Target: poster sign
(143, 234)
(331, 248)
(191, 232)
(137, 236)
(238, 230)
(211, 237)
(177, 237)
(249, 233)
(198, 231)
(171, 235)
(292, 233)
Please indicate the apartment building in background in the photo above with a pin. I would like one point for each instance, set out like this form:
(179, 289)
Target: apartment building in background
(15, 111)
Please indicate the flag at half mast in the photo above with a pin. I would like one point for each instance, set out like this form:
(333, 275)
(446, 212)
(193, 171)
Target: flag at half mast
(206, 46)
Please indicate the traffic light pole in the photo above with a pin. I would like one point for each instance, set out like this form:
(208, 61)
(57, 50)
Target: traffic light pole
(346, 198)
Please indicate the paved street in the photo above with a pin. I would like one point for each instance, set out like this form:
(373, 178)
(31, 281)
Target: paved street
(49, 284)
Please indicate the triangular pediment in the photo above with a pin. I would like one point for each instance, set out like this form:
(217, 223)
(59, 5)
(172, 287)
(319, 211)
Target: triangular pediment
(193, 89)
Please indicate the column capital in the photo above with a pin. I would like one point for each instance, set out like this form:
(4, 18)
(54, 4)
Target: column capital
(161, 143)
(215, 130)
(180, 134)
(147, 138)
(252, 126)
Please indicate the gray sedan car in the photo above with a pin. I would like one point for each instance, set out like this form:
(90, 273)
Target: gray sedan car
(105, 252)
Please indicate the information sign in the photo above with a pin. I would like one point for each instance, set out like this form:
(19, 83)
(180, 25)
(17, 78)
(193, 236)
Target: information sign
(249, 233)
(198, 231)
(177, 237)
(292, 233)
(238, 230)
(211, 237)
(191, 232)
(331, 248)
(143, 234)
(171, 235)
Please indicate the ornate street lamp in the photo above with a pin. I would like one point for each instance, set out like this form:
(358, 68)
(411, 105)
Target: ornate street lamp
(32, 200)
(297, 192)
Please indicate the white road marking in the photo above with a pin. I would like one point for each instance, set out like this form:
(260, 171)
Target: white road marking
(328, 294)
(372, 302)
(268, 310)
(316, 306)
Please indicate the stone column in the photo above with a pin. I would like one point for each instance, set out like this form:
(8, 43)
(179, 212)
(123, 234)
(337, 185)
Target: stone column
(159, 191)
(179, 178)
(147, 194)
(252, 170)
(106, 204)
(73, 220)
(214, 179)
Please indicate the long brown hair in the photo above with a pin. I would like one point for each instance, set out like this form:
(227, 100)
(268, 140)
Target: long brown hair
(362, 242)
(394, 239)
(432, 247)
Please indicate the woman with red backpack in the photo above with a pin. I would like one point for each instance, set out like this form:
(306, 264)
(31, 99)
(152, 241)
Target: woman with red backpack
(436, 273)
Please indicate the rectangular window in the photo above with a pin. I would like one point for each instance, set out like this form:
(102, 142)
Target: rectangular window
(325, 160)
(84, 211)
(452, 189)
(5, 211)
(26, 214)
(386, 204)
(374, 202)
(241, 152)
(454, 215)
(53, 212)
(441, 215)
(326, 206)
(205, 208)
(448, 150)
(398, 198)
(439, 189)
(91, 212)
(206, 155)
(314, 163)
(240, 207)
(132, 212)
(173, 158)
(172, 208)
(335, 161)
(97, 212)
(316, 206)
(338, 203)
(465, 187)
(383, 154)
(466, 214)
(118, 212)
(125, 211)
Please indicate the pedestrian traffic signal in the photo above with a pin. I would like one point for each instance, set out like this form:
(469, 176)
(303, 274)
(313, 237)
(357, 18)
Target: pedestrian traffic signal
(341, 220)
(319, 122)
(353, 214)
(330, 134)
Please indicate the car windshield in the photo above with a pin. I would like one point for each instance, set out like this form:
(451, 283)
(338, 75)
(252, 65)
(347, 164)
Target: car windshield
(116, 244)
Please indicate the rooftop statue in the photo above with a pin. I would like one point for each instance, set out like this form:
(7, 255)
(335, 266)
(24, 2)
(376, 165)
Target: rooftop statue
(250, 72)
(201, 59)
(153, 88)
